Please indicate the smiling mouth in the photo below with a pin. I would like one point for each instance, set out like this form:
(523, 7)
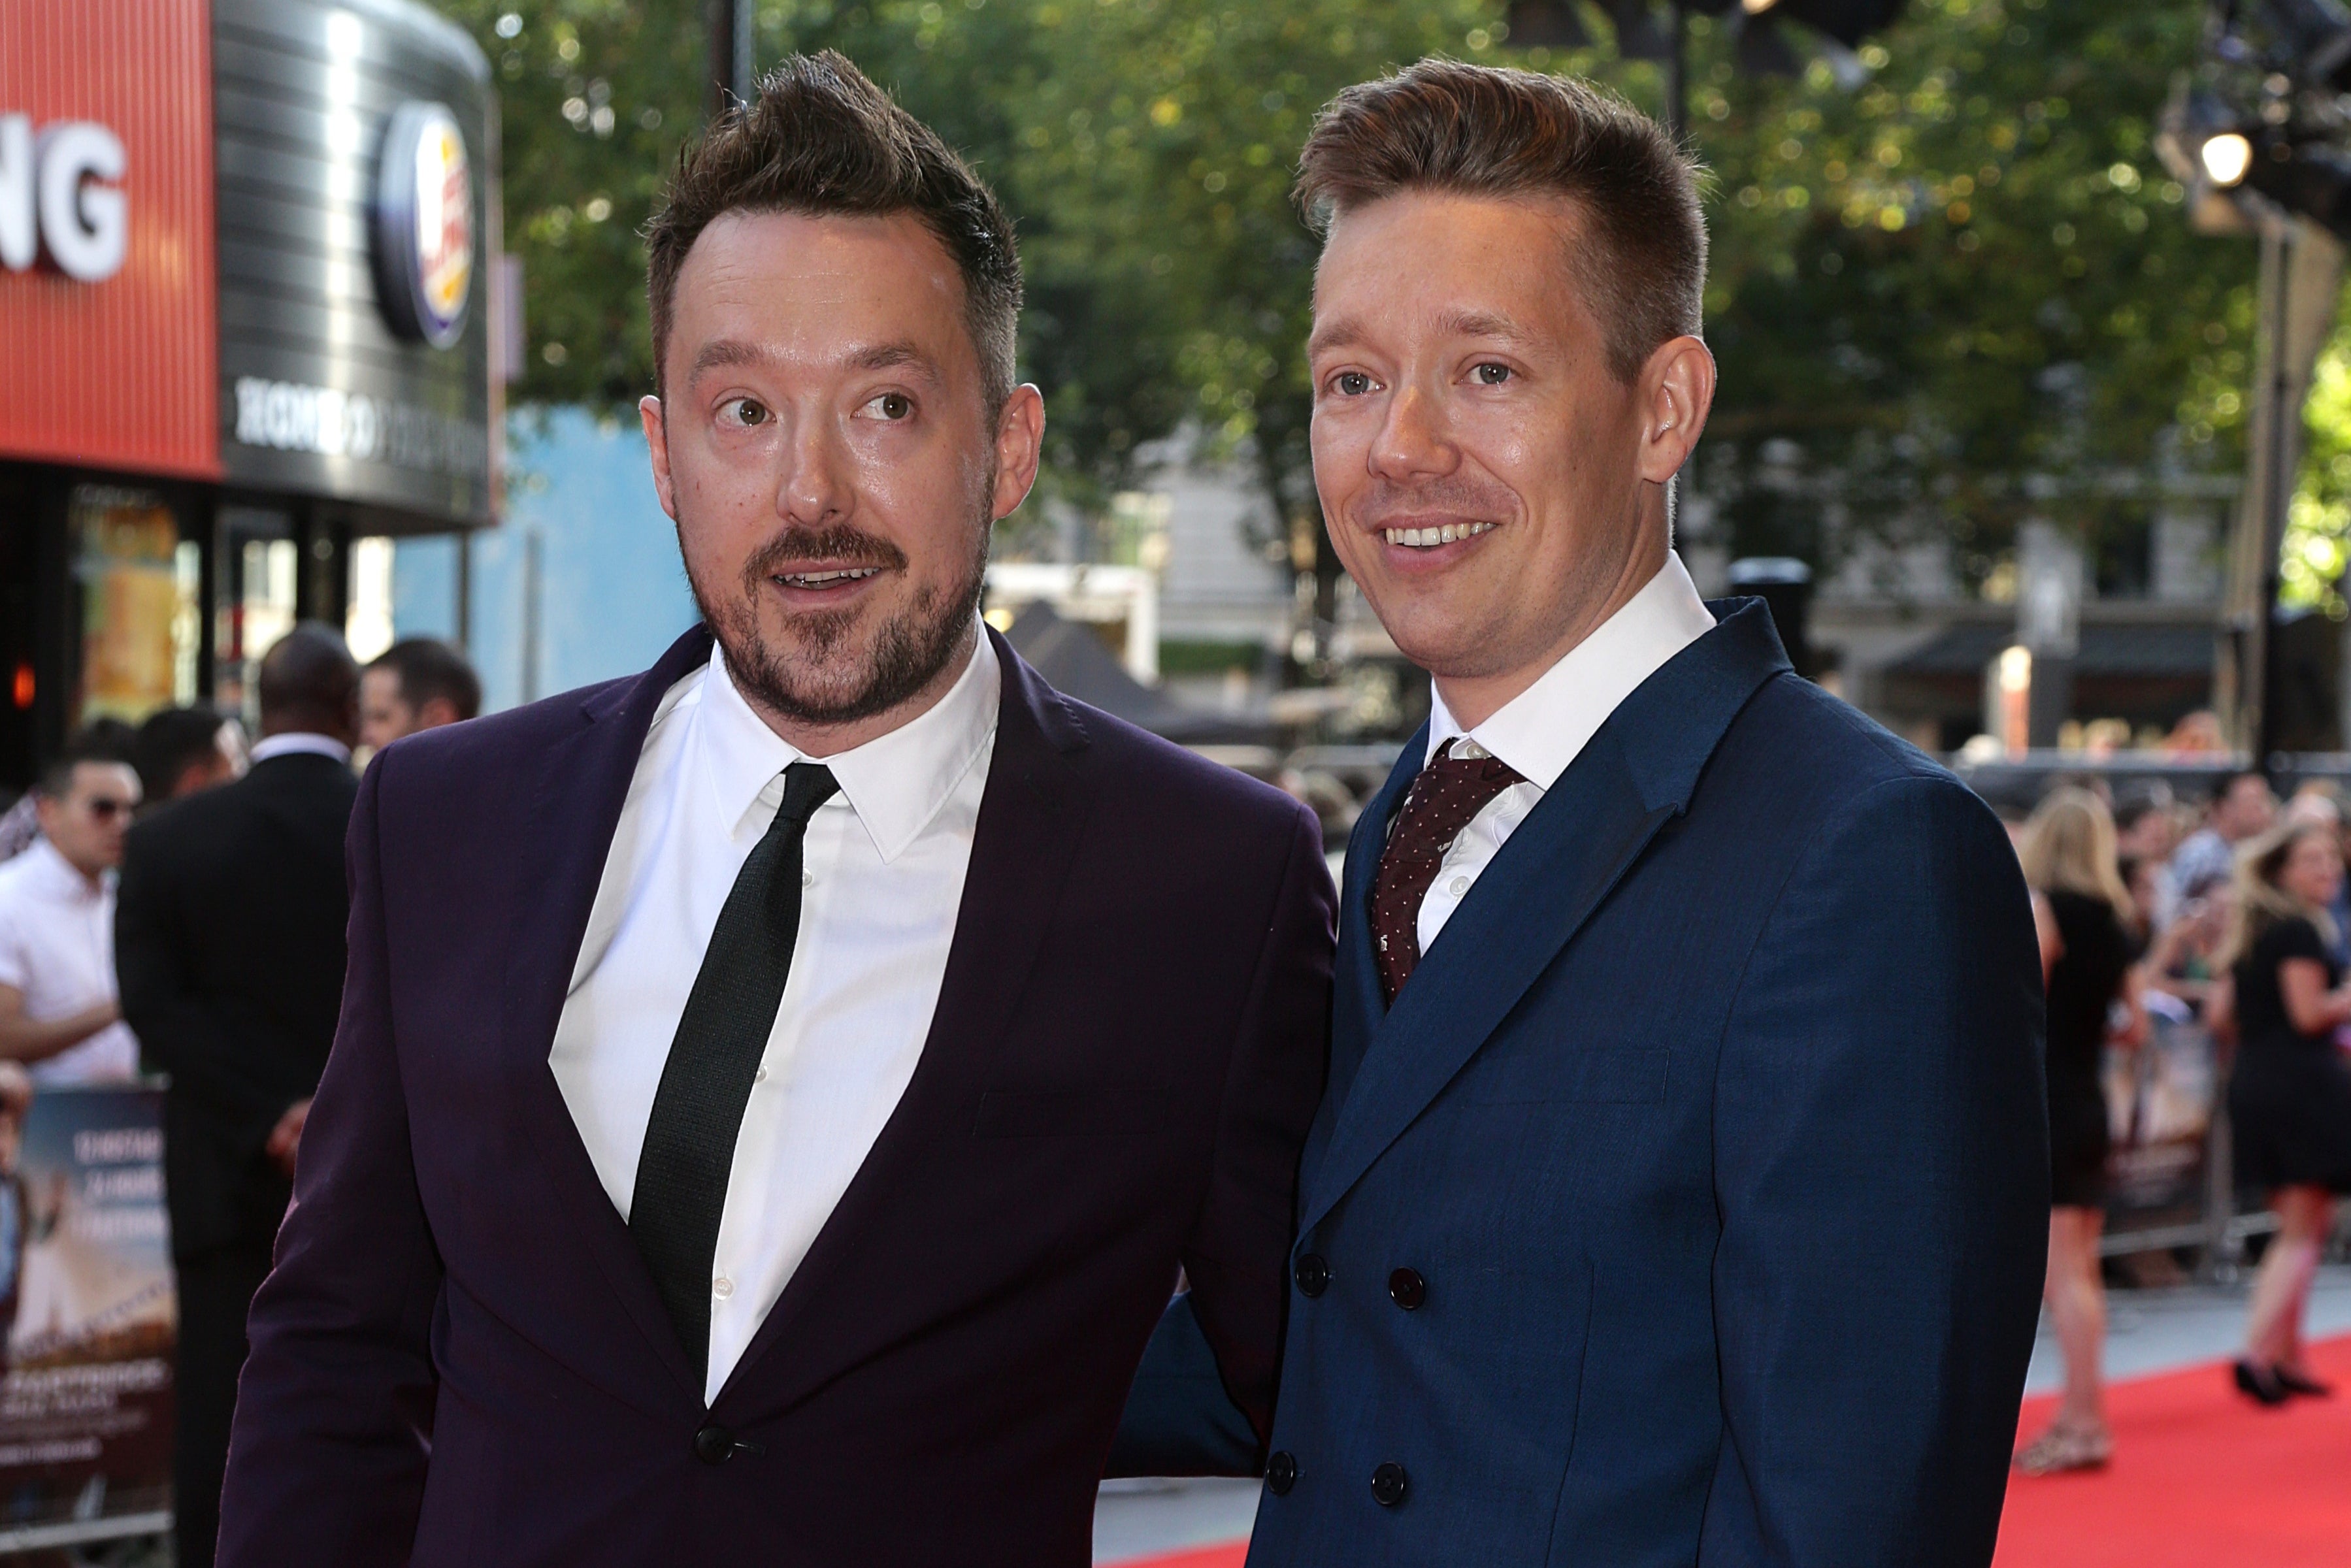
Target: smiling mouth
(836, 577)
(1429, 539)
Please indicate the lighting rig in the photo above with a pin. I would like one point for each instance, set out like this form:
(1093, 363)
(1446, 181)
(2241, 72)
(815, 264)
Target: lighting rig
(2260, 135)
(2268, 117)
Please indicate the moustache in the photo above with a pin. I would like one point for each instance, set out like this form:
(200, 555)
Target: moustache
(1461, 497)
(841, 544)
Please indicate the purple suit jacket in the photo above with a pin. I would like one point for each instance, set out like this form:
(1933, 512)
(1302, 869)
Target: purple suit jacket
(460, 1358)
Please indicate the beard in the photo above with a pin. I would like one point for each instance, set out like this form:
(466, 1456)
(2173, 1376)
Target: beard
(824, 681)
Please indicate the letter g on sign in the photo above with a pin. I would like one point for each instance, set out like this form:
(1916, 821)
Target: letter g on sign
(84, 224)
(56, 196)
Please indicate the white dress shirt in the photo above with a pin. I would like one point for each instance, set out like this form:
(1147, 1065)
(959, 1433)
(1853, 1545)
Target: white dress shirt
(56, 947)
(1545, 728)
(883, 866)
(299, 743)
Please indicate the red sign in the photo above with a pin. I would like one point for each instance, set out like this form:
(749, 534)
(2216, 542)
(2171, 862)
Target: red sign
(109, 349)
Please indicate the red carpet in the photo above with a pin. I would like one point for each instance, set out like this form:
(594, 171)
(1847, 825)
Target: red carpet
(1200, 1557)
(2201, 1478)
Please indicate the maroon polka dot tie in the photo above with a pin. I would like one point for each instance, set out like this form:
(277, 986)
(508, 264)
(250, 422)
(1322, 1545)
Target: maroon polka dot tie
(1449, 792)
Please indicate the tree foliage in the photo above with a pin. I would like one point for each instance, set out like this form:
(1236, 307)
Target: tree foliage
(1953, 278)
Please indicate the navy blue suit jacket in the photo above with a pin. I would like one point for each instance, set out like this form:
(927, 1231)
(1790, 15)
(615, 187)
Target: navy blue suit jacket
(460, 1357)
(1711, 1127)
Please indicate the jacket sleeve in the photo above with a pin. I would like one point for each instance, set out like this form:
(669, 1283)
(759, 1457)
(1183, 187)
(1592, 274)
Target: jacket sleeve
(334, 1409)
(1882, 1174)
(179, 1032)
(1203, 1400)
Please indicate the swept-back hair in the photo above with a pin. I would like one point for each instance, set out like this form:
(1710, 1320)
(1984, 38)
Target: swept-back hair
(1639, 260)
(821, 139)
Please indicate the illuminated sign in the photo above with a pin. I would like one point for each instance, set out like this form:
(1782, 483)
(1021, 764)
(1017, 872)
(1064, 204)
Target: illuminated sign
(424, 225)
(58, 198)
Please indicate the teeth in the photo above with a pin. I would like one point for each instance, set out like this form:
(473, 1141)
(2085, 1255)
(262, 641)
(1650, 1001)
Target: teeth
(822, 579)
(1429, 539)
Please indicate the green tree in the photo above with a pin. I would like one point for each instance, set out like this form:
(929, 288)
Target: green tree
(1958, 288)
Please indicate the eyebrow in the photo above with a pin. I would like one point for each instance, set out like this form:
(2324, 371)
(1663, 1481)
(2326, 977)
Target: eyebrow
(724, 351)
(902, 354)
(1346, 333)
(1481, 324)
(1342, 333)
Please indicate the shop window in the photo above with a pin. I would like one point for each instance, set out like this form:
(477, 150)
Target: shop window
(138, 614)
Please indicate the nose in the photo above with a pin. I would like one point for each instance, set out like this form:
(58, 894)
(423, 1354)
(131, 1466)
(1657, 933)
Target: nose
(1412, 443)
(812, 489)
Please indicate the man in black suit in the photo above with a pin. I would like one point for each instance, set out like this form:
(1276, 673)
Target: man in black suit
(229, 948)
(776, 1092)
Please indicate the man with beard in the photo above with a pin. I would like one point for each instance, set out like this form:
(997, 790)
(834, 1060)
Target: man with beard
(776, 1093)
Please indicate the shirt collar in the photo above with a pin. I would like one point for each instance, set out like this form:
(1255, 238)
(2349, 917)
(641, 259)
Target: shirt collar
(895, 782)
(44, 862)
(1545, 728)
(299, 742)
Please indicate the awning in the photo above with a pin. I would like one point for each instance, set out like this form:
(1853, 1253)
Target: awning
(2146, 653)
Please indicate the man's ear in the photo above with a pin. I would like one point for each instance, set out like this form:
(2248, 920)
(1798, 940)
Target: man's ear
(1677, 391)
(649, 411)
(1020, 447)
(435, 712)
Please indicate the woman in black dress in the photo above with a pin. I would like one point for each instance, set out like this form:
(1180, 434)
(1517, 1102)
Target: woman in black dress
(2290, 1094)
(2083, 911)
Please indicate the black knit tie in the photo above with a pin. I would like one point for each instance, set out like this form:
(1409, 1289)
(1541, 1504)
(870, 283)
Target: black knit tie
(699, 1110)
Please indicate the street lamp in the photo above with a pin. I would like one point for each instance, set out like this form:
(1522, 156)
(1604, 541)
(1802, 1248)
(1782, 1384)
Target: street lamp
(2226, 158)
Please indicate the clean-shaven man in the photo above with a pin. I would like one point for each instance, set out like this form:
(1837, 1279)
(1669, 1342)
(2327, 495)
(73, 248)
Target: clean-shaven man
(776, 1093)
(1679, 1193)
(418, 683)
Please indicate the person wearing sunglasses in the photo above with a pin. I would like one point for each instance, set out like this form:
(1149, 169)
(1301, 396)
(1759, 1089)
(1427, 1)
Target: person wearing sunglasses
(59, 1012)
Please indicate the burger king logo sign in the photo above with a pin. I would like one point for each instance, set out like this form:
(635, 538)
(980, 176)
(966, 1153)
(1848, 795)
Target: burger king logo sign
(424, 225)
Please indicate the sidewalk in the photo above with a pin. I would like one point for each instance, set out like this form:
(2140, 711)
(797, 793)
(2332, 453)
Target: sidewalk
(2149, 1332)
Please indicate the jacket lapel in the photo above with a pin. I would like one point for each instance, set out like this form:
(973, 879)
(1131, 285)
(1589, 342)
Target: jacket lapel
(1032, 816)
(566, 834)
(1572, 849)
(1357, 1008)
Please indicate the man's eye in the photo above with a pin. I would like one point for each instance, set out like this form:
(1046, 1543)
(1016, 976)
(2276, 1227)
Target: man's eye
(743, 411)
(890, 406)
(1350, 384)
(1491, 375)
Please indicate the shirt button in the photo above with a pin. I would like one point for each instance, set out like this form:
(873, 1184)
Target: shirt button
(1459, 885)
(808, 879)
(761, 1076)
(722, 1286)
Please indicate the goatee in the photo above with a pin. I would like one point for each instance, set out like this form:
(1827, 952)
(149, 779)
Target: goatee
(907, 652)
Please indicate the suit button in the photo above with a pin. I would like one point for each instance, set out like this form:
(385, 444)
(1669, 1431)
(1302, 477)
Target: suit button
(1281, 1472)
(1407, 1288)
(714, 1445)
(1313, 1275)
(1388, 1485)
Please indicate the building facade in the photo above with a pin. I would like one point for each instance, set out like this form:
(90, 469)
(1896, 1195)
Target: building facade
(245, 319)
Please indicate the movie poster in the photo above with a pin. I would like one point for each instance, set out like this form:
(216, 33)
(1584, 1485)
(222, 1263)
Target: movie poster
(86, 1290)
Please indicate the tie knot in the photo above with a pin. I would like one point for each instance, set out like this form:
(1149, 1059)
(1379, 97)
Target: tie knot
(807, 785)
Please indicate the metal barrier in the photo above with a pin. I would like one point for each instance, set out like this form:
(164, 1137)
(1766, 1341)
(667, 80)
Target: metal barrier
(2173, 1164)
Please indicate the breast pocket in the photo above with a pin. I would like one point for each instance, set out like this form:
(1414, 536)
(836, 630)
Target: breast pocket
(1092, 1111)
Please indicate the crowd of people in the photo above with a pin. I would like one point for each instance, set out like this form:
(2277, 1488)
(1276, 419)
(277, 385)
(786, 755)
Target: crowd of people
(172, 901)
(2234, 912)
